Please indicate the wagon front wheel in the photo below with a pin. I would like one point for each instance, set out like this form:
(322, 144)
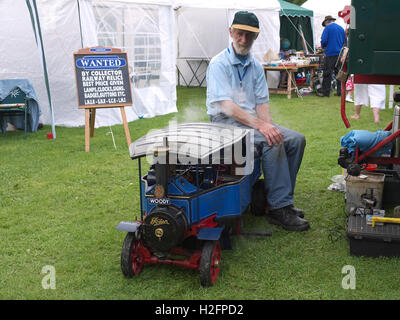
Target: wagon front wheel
(132, 261)
(210, 263)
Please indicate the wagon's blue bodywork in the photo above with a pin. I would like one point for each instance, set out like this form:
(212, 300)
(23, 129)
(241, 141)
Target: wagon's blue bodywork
(227, 200)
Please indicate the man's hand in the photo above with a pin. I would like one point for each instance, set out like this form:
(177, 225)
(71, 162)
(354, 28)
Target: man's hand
(271, 133)
(262, 123)
(265, 126)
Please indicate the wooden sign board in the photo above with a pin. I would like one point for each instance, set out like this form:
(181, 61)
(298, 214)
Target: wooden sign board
(102, 78)
(102, 81)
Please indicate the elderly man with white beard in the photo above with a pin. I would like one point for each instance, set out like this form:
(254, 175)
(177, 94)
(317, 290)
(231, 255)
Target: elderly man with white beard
(237, 94)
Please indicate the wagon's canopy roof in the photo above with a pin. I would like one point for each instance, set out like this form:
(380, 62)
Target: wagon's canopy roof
(197, 140)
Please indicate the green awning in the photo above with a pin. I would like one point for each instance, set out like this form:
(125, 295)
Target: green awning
(290, 9)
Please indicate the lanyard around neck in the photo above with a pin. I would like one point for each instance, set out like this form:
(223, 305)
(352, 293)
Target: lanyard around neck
(241, 77)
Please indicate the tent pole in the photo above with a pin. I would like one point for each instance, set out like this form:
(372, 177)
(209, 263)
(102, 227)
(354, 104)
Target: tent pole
(80, 23)
(38, 32)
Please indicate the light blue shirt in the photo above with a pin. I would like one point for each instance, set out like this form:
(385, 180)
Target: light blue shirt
(230, 79)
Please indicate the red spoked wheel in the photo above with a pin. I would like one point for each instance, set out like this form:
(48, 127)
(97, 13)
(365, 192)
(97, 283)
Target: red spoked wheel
(132, 261)
(210, 263)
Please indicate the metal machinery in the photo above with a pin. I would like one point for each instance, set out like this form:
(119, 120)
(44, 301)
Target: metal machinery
(374, 58)
(202, 178)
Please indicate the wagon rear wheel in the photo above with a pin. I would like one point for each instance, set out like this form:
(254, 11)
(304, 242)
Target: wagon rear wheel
(132, 261)
(210, 263)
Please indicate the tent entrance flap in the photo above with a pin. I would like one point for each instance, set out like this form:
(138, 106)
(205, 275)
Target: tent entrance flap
(290, 29)
(294, 20)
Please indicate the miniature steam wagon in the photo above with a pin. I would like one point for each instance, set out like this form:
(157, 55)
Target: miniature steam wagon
(202, 177)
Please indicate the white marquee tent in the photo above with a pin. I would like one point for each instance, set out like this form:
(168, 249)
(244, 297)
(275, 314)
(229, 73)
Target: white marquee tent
(202, 32)
(323, 8)
(142, 28)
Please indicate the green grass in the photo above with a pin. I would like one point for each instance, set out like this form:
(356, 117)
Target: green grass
(59, 206)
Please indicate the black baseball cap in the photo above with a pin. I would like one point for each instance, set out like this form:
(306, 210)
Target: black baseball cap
(245, 20)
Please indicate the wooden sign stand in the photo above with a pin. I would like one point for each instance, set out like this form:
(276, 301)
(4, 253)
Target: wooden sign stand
(102, 81)
(90, 114)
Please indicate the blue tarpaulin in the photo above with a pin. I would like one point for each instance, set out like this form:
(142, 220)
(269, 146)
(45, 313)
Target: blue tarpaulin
(6, 86)
(365, 140)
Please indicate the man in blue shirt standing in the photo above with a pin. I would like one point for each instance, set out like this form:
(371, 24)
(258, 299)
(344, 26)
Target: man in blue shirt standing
(332, 40)
(237, 94)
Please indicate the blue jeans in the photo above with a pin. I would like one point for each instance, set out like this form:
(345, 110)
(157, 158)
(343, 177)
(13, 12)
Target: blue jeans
(280, 164)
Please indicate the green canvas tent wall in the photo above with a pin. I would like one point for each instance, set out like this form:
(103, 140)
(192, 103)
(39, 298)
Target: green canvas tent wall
(294, 19)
